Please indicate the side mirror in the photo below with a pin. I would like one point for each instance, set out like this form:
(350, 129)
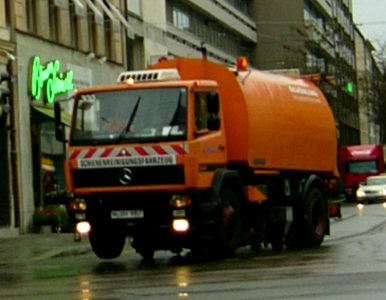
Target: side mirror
(59, 127)
(213, 103)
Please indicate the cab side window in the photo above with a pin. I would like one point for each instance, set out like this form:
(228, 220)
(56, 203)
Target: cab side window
(206, 111)
(201, 111)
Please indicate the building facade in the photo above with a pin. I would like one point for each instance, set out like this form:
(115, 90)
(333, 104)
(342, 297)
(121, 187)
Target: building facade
(49, 48)
(368, 97)
(316, 37)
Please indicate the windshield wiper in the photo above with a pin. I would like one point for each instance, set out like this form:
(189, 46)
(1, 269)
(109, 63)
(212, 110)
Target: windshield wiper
(129, 122)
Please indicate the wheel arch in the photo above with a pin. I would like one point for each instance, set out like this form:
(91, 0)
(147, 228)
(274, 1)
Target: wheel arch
(314, 181)
(229, 179)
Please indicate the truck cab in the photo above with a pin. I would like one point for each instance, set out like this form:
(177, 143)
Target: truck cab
(358, 162)
(141, 147)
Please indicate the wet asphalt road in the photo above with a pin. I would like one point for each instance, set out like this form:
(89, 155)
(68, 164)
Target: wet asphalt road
(351, 264)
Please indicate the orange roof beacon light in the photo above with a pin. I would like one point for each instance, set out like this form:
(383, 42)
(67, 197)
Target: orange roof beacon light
(242, 63)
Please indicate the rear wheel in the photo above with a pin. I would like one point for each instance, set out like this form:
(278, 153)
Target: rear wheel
(107, 241)
(315, 218)
(310, 222)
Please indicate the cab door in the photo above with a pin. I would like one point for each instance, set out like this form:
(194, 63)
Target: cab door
(208, 143)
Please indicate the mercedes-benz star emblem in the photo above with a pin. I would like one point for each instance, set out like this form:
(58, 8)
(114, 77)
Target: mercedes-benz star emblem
(125, 176)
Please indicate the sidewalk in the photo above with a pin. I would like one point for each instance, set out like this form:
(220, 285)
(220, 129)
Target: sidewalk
(24, 248)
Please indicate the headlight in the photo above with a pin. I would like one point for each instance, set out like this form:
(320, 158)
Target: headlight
(83, 227)
(360, 193)
(383, 192)
(180, 225)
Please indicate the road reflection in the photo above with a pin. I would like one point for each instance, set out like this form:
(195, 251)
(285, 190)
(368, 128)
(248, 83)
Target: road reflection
(85, 289)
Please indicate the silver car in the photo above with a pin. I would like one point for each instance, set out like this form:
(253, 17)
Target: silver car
(372, 190)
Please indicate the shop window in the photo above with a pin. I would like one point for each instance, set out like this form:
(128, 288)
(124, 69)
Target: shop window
(49, 144)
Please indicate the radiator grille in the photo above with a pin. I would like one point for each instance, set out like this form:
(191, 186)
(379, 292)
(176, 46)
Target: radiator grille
(140, 176)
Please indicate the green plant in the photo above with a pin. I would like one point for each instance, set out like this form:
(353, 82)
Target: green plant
(55, 215)
(57, 197)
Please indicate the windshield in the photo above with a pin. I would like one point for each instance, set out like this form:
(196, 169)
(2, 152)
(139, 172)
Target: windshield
(376, 181)
(130, 116)
(363, 167)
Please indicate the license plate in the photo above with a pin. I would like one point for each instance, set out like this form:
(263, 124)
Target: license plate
(127, 214)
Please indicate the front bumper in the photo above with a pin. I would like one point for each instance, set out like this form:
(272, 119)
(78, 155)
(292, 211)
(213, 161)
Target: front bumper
(371, 199)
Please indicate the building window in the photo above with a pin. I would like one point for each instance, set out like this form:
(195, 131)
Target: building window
(206, 29)
(53, 20)
(31, 15)
(134, 7)
(181, 19)
(74, 26)
(241, 5)
(92, 30)
(109, 35)
(4, 13)
(315, 63)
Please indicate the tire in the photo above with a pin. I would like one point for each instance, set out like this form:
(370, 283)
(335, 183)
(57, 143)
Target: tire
(107, 241)
(310, 223)
(147, 254)
(315, 218)
(143, 248)
(228, 236)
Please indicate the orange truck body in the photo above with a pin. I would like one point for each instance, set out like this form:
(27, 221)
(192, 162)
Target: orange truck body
(264, 170)
(272, 122)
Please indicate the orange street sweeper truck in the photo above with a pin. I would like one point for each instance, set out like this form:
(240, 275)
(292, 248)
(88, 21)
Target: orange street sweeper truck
(189, 154)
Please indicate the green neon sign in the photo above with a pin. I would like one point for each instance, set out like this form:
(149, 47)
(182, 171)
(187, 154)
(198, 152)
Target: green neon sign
(48, 81)
(349, 88)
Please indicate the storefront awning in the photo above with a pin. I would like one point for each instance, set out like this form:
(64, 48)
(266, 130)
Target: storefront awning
(49, 112)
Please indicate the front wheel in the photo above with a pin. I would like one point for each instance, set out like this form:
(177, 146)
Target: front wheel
(144, 247)
(107, 241)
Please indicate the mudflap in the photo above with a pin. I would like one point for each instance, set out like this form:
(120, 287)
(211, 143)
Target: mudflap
(334, 206)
